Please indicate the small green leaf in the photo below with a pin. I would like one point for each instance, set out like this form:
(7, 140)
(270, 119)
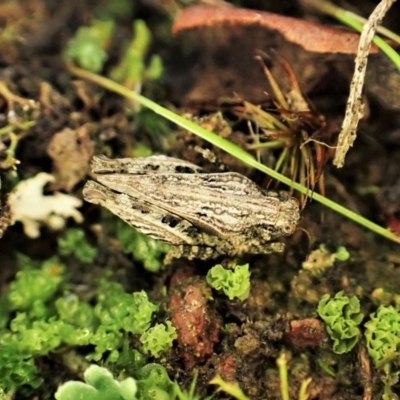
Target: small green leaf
(234, 283)
(87, 47)
(32, 286)
(342, 316)
(100, 385)
(382, 335)
(158, 338)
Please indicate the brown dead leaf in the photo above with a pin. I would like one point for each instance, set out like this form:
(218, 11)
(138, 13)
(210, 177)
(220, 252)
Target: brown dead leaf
(71, 151)
(312, 36)
(214, 57)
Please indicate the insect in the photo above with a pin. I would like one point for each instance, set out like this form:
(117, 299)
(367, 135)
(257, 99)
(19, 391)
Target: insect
(201, 215)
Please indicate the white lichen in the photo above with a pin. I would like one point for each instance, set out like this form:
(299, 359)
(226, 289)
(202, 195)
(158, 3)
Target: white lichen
(33, 209)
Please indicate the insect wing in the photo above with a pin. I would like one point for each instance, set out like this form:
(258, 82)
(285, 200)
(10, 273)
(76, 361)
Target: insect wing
(222, 204)
(147, 218)
(156, 165)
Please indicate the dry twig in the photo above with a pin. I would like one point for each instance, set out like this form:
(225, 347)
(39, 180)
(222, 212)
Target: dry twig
(355, 106)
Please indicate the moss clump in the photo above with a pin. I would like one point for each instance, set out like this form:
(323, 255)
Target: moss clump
(341, 316)
(382, 334)
(234, 283)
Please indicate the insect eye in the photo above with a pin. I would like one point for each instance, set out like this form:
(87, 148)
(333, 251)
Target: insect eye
(288, 229)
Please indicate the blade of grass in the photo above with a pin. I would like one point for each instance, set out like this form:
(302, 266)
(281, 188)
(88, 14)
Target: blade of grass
(303, 389)
(232, 388)
(230, 148)
(281, 362)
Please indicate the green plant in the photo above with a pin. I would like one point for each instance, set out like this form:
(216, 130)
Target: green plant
(74, 242)
(158, 338)
(74, 311)
(27, 339)
(88, 50)
(16, 369)
(117, 309)
(150, 382)
(319, 260)
(34, 330)
(234, 283)
(342, 316)
(281, 363)
(45, 319)
(132, 68)
(188, 394)
(232, 388)
(154, 383)
(119, 313)
(87, 47)
(382, 335)
(143, 248)
(100, 385)
(35, 284)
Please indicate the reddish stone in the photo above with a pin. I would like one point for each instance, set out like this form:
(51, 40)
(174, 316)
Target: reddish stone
(307, 332)
(227, 369)
(196, 323)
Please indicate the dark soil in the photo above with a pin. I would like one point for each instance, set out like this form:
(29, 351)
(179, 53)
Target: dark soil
(75, 119)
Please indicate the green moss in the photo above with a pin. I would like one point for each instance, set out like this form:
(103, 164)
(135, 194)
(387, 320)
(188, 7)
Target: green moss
(158, 338)
(341, 316)
(154, 383)
(33, 287)
(118, 310)
(234, 283)
(38, 318)
(382, 334)
(74, 243)
(87, 47)
(143, 248)
(132, 68)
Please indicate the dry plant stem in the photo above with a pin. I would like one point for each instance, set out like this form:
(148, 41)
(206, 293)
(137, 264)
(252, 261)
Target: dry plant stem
(13, 98)
(355, 106)
(365, 372)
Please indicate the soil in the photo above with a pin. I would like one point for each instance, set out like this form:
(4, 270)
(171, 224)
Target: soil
(75, 119)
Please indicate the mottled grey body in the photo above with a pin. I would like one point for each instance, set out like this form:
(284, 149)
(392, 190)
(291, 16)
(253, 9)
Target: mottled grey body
(179, 203)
